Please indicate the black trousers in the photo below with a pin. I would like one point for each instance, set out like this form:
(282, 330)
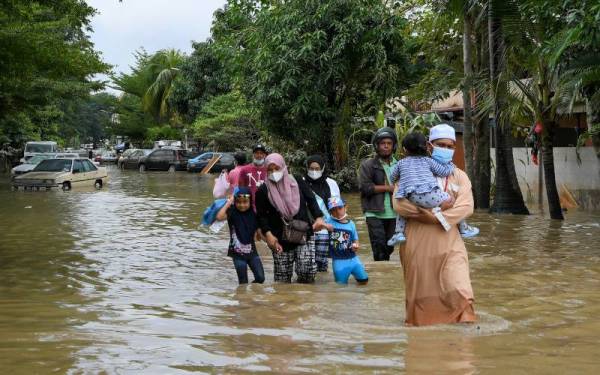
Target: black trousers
(380, 231)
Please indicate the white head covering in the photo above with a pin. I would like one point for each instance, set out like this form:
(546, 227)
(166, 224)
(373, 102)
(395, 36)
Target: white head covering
(442, 131)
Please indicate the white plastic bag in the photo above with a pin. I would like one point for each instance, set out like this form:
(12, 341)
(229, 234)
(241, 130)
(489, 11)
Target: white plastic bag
(221, 186)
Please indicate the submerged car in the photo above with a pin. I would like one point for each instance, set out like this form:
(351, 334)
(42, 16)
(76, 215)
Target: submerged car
(198, 163)
(29, 165)
(62, 173)
(164, 160)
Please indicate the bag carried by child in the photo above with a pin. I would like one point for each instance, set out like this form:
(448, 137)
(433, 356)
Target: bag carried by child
(221, 185)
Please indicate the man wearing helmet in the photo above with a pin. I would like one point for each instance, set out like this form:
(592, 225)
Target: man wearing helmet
(376, 192)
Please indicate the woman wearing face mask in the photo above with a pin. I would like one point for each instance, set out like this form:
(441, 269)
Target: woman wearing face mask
(434, 260)
(282, 206)
(324, 188)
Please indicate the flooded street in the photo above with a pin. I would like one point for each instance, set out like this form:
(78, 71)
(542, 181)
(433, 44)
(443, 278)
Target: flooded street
(122, 281)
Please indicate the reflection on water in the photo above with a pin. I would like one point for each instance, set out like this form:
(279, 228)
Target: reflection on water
(122, 281)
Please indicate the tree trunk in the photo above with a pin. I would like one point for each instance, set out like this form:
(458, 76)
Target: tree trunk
(549, 175)
(482, 165)
(466, 92)
(508, 198)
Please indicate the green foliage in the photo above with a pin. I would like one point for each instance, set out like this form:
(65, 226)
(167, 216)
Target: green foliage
(151, 80)
(302, 61)
(202, 76)
(46, 60)
(226, 123)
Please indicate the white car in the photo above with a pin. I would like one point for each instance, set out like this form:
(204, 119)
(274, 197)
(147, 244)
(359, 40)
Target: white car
(62, 173)
(28, 165)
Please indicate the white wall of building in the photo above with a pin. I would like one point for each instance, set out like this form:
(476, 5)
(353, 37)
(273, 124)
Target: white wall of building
(579, 179)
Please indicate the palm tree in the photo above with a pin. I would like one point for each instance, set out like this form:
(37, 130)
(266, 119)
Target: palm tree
(508, 198)
(164, 67)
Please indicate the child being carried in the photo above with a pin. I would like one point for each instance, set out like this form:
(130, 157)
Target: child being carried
(416, 178)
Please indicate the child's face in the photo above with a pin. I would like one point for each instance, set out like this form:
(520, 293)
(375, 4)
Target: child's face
(338, 212)
(242, 203)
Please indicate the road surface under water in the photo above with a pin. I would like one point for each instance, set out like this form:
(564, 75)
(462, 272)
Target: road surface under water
(122, 281)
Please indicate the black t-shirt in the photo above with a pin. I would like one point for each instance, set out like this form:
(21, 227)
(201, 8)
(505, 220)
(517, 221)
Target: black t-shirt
(236, 248)
(269, 219)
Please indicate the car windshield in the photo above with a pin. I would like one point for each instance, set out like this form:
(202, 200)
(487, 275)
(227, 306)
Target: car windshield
(38, 148)
(36, 159)
(54, 165)
(129, 152)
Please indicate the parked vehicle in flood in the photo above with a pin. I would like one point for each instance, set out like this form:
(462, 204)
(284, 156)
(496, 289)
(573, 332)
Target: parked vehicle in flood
(106, 157)
(131, 158)
(39, 148)
(62, 173)
(197, 164)
(164, 160)
(29, 164)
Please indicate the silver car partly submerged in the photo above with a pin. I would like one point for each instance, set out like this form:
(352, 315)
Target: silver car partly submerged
(62, 173)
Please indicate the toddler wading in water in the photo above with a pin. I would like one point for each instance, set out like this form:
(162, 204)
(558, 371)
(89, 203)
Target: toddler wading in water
(242, 230)
(416, 178)
(343, 244)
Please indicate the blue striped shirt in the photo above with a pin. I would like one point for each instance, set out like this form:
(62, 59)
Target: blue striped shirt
(417, 174)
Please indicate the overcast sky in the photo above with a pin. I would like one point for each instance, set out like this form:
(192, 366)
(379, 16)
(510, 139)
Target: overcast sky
(122, 28)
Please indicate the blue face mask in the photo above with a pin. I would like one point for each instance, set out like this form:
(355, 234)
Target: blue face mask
(442, 155)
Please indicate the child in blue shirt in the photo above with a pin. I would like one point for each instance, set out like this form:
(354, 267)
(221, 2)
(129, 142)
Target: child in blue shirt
(343, 244)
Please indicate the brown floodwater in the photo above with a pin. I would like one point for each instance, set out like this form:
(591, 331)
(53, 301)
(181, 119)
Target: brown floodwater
(122, 281)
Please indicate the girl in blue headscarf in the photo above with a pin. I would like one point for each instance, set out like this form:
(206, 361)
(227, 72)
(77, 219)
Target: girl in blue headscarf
(242, 229)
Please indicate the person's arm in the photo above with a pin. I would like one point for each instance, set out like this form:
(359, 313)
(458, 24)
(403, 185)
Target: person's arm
(222, 214)
(312, 205)
(262, 210)
(439, 169)
(367, 187)
(262, 213)
(463, 205)
(395, 175)
(354, 239)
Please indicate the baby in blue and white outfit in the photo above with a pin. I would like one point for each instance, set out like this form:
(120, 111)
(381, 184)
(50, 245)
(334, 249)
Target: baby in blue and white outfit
(416, 175)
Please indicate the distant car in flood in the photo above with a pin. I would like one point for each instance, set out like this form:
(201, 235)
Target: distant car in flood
(131, 158)
(62, 173)
(199, 162)
(164, 160)
(106, 157)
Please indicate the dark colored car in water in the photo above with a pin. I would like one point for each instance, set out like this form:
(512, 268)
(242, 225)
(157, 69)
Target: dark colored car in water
(131, 158)
(164, 160)
(199, 162)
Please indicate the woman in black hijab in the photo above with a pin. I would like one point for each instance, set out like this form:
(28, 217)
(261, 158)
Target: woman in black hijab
(324, 188)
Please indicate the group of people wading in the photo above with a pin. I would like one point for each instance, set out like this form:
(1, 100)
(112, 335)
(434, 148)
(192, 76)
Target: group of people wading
(421, 201)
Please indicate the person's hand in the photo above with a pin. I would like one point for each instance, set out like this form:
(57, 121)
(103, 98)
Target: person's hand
(423, 216)
(391, 188)
(258, 236)
(355, 246)
(329, 227)
(319, 224)
(448, 203)
(273, 243)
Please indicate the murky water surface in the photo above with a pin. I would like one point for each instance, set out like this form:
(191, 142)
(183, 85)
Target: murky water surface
(121, 281)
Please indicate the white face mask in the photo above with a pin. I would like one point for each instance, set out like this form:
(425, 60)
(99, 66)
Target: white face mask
(258, 162)
(276, 176)
(315, 175)
(339, 219)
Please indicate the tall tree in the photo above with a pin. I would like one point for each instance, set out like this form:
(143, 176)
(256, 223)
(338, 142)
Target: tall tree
(46, 59)
(508, 197)
(310, 65)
